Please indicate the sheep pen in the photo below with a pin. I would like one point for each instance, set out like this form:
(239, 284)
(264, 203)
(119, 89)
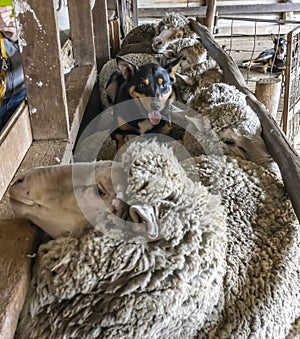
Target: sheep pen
(227, 268)
(212, 271)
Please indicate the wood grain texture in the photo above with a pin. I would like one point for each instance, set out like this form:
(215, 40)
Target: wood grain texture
(40, 46)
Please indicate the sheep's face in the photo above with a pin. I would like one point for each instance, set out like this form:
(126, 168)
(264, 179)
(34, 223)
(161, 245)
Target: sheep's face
(53, 197)
(167, 35)
(69, 198)
(248, 147)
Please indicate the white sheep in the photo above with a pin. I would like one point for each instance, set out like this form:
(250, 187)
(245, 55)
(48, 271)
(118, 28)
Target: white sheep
(192, 278)
(162, 288)
(172, 27)
(141, 33)
(191, 79)
(224, 118)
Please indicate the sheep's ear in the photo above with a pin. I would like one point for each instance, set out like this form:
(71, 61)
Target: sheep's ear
(145, 219)
(169, 53)
(188, 80)
(127, 68)
(172, 67)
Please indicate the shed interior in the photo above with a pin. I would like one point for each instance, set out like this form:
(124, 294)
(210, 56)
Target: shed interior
(63, 94)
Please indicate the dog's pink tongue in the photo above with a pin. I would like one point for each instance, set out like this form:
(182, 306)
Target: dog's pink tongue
(280, 56)
(154, 117)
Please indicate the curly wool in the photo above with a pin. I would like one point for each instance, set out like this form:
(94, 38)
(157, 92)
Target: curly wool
(217, 94)
(141, 33)
(262, 281)
(98, 286)
(175, 20)
(200, 76)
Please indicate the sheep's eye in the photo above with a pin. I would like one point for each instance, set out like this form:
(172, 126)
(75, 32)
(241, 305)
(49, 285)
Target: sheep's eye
(229, 142)
(100, 191)
(183, 58)
(179, 35)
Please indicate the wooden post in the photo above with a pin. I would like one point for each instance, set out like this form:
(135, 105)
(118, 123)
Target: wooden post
(210, 14)
(40, 46)
(82, 33)
(286, 157)
(267, 91)
(101, 30)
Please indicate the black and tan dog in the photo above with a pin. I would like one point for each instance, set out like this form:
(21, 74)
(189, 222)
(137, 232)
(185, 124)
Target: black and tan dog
(273, 58)
(141, 97)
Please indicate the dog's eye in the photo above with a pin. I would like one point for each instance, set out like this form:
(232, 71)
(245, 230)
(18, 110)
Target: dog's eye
(142, 85)
(164, 86)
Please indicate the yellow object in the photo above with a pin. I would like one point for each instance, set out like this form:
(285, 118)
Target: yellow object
(7, 3)
(3, 70)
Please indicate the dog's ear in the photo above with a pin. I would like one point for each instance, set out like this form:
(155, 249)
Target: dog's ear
(274, 38)
(127, 68)
(172, 67)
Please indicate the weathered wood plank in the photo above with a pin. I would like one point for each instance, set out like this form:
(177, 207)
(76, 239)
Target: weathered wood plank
(15, 140)
(286, 157)
(79, 86)
(40, 46)
(100, 19)
(237, 9)
(17, 244)
(82, 32)
(210, 14)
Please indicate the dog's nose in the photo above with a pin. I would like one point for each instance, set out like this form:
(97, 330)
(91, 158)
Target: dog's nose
(155, 105)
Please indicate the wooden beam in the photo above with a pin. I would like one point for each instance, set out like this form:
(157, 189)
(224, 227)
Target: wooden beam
(210, 14)
(82, 33)
(40, 46)
(286, 157)
(222, 10)
(101, 28)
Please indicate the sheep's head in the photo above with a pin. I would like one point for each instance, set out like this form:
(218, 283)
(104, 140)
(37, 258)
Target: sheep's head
(53, 197)
(239, 131)
(190, 49)
(156, 179)
(171, 28)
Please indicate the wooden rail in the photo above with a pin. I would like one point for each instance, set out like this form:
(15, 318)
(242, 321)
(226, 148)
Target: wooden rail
(221, 10)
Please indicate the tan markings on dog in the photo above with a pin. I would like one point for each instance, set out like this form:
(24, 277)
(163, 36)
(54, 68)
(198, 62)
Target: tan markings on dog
(165, 129)
(134, 94)
(144, 126)
(123, 125)
(160, 81)
(120, 140)
(146, 82)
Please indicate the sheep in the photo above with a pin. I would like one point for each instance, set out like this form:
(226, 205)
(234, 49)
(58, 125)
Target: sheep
(142, 286)
(191, 79)
(235, 125)
(172, 27)
(111, 66)
(199, 276)
(190, 49)
(142, 33)
(61, 214)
